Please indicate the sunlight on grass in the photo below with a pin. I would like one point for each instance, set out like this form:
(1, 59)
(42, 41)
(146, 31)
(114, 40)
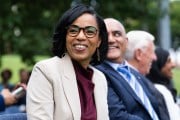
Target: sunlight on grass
(14, 63)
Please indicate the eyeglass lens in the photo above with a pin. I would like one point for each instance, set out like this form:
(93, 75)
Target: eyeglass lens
(89, 31)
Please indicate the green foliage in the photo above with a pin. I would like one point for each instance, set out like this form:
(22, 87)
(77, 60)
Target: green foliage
(26, 27)
(175, 26)
(134, 14)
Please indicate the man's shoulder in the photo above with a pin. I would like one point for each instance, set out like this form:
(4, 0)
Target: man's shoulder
(135, 73)
(104, 67)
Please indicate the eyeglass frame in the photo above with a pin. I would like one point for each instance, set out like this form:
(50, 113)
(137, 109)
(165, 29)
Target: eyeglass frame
(81, 28)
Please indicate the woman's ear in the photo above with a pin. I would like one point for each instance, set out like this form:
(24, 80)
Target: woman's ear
(98, 43)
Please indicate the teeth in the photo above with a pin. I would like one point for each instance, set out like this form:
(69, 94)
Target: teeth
(80, 46)
(112, 47)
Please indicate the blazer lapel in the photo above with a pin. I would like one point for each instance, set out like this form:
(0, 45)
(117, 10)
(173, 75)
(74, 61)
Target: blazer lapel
(99, 97)
(70, 87)
(141, 80)
(147, 88)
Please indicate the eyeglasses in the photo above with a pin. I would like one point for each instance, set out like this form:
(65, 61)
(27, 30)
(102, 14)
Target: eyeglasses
(89, 31)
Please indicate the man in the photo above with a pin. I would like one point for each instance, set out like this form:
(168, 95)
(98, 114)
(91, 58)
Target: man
(140, 50)
(140, 55)
(124, 103)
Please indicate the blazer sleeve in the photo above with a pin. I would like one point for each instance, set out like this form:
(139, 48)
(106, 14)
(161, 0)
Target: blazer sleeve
(117, 110)
(40, 104)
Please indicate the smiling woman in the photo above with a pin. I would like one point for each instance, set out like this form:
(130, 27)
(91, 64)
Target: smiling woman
(67, 86)
(82, 40)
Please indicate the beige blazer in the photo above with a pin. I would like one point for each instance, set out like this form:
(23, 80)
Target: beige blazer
(52, 92)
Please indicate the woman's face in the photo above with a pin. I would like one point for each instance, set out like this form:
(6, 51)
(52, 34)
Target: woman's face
(167, 68)
(83, 39)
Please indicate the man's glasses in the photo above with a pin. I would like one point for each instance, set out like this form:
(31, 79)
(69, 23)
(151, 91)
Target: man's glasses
(89, 31)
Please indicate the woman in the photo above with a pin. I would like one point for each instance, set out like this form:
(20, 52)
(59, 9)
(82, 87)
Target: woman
(6, 75)
(161, 75)
(67, 87)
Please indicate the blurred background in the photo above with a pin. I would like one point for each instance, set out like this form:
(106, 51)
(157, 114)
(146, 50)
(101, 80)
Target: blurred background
(26, 27)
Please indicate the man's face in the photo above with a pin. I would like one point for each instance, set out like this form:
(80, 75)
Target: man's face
(117, 40)
(146, 57)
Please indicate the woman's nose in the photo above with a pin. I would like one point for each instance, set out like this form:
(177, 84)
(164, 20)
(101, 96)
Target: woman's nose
(81, 35)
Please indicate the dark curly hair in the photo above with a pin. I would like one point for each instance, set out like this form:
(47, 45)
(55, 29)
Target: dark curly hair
(59, 36)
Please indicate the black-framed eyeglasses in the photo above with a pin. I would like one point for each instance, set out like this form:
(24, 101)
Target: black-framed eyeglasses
(89, 31)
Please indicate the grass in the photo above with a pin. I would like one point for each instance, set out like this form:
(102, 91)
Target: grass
(14, 63)
(176, 80)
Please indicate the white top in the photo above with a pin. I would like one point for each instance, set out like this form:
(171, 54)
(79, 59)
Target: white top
(173, 109)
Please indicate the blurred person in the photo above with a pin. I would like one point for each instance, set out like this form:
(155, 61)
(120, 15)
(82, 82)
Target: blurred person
(140, 55)
(9, 101)
(6, 75)
(20, 105)
(123, 99)
(66, 86)
(161, 75)
(6, 99)
(24, 75)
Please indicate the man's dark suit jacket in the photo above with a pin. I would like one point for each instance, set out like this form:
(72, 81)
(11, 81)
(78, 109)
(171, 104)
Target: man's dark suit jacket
(124, 104)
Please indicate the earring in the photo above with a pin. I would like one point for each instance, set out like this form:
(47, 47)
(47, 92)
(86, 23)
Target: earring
(98, 55)
(63, 55)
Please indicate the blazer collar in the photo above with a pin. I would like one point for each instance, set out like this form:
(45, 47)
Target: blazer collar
(70, 86)
(97, 94)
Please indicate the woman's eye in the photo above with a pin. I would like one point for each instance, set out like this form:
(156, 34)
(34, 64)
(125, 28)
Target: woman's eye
(73, 30)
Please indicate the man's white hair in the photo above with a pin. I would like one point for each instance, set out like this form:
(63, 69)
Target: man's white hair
(137, 39)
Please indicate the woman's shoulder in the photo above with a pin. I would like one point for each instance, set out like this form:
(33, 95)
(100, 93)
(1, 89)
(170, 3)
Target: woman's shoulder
(163, 89)
(48, 60)
(49, 63)
(55, 60)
